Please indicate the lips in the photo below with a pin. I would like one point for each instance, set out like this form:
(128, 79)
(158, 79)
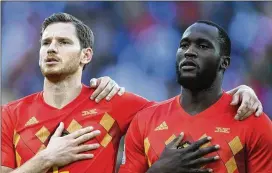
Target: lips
(188, 65)
(51, 60)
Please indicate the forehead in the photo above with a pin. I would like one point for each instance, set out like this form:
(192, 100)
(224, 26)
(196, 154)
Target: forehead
(60, 30)
(201, 31)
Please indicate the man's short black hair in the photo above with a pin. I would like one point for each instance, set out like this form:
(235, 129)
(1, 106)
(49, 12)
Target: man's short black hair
(224, 40)
(84, 33)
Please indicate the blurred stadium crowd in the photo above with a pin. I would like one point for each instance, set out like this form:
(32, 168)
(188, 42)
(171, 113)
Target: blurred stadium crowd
(136, 43)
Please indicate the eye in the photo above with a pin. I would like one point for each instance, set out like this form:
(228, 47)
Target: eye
(64, 42)
(45, 43)
(202, 46)
(183, 45)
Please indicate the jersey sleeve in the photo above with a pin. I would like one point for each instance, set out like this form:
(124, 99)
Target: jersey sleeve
(7, 147)
(134, 160)
(126, 107)
(259, 144)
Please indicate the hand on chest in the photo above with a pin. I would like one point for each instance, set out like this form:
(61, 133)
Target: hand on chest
(34, 134)
(231, 141)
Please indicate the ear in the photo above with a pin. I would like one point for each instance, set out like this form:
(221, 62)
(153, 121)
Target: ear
(87, 55)
(225, 62)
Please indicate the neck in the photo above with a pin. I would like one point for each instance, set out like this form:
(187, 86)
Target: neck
(59, 93)
(194, 102)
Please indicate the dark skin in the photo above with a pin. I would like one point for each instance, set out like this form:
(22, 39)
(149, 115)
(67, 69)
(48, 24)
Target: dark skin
(200, 69)
(200, 44)
(175, 159)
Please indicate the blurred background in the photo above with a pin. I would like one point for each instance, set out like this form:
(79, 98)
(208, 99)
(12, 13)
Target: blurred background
(136, 43)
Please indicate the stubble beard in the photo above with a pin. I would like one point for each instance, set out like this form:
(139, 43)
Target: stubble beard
(201, 81)
(56, 74)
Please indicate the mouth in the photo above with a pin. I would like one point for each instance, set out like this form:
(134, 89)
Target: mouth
(51, 61)
(188, 65)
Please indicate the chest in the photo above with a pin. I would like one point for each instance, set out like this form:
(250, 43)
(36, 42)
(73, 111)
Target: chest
(35, 128)
(231, 140)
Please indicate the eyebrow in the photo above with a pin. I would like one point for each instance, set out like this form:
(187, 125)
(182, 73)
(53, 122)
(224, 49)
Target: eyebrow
(199, 40)
(184, 40)
(58, 38)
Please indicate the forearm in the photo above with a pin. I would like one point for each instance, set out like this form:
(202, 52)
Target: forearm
(38, 164)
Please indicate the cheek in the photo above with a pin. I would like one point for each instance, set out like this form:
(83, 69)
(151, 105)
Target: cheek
(71, 56)
(179, 56)
(211, 63)
(42, 55)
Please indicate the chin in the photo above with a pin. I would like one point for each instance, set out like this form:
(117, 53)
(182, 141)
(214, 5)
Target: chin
(195, 83)
(51, 75)
(189, 82)
(48, 73)
(188, 76)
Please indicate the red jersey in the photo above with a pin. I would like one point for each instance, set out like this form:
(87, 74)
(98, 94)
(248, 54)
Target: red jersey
(245, 146)
(28, 123)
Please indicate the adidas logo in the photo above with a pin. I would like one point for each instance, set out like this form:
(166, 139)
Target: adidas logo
(162, 126)
(31, 121)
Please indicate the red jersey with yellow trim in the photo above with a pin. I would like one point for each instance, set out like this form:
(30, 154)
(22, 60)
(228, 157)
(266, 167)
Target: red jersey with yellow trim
(28, 123)
(245, 146)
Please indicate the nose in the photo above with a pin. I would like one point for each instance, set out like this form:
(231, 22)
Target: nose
(190, 53)
(52, 49)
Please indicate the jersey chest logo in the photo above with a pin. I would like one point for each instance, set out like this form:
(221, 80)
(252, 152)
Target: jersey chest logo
(162, 126)
(31, 121)
(89, 112)
(222, 130)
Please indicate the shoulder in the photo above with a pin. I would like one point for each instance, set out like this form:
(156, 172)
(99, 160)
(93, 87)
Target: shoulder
(129, 99)
(148, 118)
(262, 123)
(11, 111)
(258, 136)
(255, 129)
(131, 96)
(251, 121)
(160, 105)
(22, 102)
(157, 109)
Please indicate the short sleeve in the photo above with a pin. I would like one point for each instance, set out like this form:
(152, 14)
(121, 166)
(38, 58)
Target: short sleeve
(7, 147)
(134, 160)
(259, 144)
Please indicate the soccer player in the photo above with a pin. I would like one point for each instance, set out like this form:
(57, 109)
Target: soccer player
(60, 129)
(60, 125)
(195, 131)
